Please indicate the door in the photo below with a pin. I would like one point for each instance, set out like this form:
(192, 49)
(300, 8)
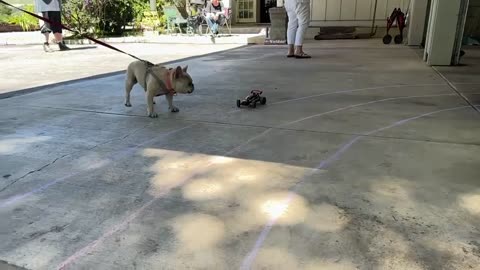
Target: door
(246, 11)
(265, 5)
(462, 18)
(442, 34)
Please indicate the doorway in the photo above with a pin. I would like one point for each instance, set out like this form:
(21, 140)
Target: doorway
(246, 11)
(265, 5)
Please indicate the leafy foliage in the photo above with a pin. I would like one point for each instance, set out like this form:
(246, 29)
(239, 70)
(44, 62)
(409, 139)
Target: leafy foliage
(25, 21)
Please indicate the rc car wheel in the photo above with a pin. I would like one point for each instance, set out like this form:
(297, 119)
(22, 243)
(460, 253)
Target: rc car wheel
(238, 103)
(263, 101)
(254, 104)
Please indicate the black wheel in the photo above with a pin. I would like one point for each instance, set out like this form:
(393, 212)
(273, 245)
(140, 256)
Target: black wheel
(263, 101)
(387, 39)
(238, 103)
(254, 104)
(398, 39)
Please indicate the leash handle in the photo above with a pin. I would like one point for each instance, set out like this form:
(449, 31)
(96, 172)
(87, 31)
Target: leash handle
(71, 30)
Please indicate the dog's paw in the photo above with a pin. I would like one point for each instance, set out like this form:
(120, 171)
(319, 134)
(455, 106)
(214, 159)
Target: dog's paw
(153, 115)
(128, 104)
(174, 109)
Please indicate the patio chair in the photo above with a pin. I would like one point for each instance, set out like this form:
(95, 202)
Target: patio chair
(175, 20)
(226, 22)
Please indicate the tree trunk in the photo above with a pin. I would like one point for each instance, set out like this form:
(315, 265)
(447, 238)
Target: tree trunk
(153, 5)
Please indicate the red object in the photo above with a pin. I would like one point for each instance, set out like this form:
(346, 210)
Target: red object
(400, 19)
(168, 81)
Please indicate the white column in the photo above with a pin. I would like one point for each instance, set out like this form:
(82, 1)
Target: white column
(416, 26)
(442, 32)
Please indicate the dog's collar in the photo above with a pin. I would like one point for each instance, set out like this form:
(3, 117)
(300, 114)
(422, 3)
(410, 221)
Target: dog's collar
(169, 81)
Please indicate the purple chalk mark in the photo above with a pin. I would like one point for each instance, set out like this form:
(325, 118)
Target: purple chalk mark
(89, 247)
(250, 258)
(328, 112)
(113, 157)
(363, 104)
(356, 90)
(345, 91)
(82, 252)
(123, 225)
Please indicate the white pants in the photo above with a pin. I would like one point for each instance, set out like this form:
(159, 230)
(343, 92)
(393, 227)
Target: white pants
(298, 20)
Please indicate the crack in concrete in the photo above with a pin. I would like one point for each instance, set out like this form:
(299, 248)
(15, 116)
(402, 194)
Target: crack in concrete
(69, 154)
(455, 89)
(32, 172)
(119, 139)
(276, 127)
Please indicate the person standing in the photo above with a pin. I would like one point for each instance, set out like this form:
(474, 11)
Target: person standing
(298, 12)
(51, 9)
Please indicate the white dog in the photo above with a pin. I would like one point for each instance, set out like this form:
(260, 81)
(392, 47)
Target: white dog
(156, 81)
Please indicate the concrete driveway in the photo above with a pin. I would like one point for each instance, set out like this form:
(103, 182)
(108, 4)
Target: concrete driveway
(363, 158)
(28, 66)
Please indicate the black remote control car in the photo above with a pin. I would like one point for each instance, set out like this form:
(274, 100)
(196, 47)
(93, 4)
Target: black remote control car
(252, 99)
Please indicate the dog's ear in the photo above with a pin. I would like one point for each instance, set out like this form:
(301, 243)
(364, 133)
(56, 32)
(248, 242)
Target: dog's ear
(178, 72)
(185, 68)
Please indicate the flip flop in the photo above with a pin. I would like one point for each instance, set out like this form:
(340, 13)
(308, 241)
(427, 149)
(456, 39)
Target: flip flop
(290, 55)
(302, 56)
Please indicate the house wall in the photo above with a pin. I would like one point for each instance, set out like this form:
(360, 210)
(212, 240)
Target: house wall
(442, 32)
(344, 12)
(352, 12)
(416, 26)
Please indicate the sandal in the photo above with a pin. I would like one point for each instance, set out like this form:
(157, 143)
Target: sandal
(302, 56)
(290, 55)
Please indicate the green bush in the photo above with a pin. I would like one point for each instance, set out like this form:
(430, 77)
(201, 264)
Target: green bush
(5, 13)
(27, 22)
(110, 17)
(100, 17)
(82, 15)
(118, 14)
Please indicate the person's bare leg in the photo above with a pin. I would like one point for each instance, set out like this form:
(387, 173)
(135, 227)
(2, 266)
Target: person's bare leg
(303, 15)
(61, 44)
(291, 49)
(299, 50)
(46, 45)
(58, 37)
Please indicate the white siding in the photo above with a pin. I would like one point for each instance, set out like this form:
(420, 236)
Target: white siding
(352, 12)
(319, 9)
(333, 9)
(363, 10)
(348, 9)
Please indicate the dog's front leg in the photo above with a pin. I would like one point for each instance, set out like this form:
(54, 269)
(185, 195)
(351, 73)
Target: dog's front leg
(150, 109)
(172, 108)
(128, 88)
